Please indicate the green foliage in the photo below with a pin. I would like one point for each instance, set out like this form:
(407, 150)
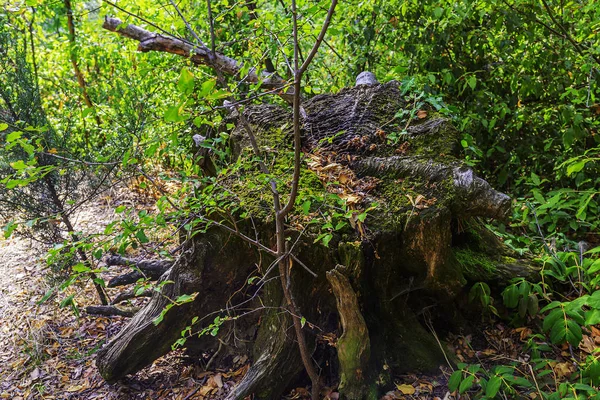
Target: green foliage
(520, 80)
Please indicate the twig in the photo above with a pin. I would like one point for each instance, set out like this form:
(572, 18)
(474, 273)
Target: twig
(214, 356)
(187, 24)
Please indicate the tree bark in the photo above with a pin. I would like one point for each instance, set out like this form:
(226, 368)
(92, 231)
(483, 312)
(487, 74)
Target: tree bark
(408, 263)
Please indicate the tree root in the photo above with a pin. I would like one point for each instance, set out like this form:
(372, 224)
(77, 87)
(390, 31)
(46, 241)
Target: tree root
(354, 346)
(110, 311)
(146, 269)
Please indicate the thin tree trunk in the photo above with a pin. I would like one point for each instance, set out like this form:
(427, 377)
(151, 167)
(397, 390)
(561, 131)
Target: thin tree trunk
(73, 57)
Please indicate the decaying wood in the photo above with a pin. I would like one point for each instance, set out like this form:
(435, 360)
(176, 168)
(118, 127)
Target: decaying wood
(145, 269)
(475, 196)
(354, 346)
(409, 256)
(141, 341)
(198, 54)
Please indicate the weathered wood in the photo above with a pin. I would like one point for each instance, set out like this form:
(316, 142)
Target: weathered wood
(206, 267)
(415, 250)
(199, 54)
(475, 197)
(354, 346)
(146, 269)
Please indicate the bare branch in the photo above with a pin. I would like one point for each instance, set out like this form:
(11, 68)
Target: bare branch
(198, 54)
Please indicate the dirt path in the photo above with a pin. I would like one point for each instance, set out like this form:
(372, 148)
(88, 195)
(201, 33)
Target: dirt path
(46, 352)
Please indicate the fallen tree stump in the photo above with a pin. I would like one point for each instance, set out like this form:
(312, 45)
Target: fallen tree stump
(402, 215)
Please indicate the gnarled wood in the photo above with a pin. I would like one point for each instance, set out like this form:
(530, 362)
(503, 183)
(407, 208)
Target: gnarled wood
(409, 261)
(354, 346)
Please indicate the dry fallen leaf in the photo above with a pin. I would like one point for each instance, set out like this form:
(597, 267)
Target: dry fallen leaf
(405, 389)
(422, 114)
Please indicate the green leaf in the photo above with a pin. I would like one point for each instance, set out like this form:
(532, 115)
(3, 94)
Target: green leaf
(186, 298)
(552, 318)
(533, 305)
(3, 127)
(186, 82)
(302, 321)
(574, 333)
(13, 183)
(80, 267)
(510, 296)
(48, 294)
(207, 87)
(98, 254)
(576, 167)
(141, 236)
(306, 207)
(9, 229)
(11, 137)
(18, 165)
(162, 314)
(493, 387)
(550, 306)
(466, 384)
(595, 267)
(454, 380)
(472, 82)
(67, 301)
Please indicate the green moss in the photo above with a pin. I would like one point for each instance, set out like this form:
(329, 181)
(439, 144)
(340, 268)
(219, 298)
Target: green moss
(351, 256)
(474, 264)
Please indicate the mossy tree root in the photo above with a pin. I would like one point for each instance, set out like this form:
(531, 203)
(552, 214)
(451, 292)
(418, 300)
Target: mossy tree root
(354, 346)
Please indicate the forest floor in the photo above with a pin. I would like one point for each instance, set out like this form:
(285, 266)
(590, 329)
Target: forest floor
(47, 352)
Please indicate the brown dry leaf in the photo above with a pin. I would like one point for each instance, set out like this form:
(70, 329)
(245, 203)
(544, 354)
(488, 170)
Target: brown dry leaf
(344, 179)
(563, 369)
(35, 374)
(406, 389)
(75, 388)
(332, 166)
(351, 198)
(523, 333)
(587, 344)
(421, 114)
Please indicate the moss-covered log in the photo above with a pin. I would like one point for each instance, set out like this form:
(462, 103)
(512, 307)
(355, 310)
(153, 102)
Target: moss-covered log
(402, 214)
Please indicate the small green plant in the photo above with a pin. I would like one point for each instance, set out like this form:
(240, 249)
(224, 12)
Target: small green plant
(524, 296)
(482, 292)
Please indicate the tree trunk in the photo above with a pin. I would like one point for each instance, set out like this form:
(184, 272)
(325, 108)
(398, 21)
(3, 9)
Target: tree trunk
(408, 236)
